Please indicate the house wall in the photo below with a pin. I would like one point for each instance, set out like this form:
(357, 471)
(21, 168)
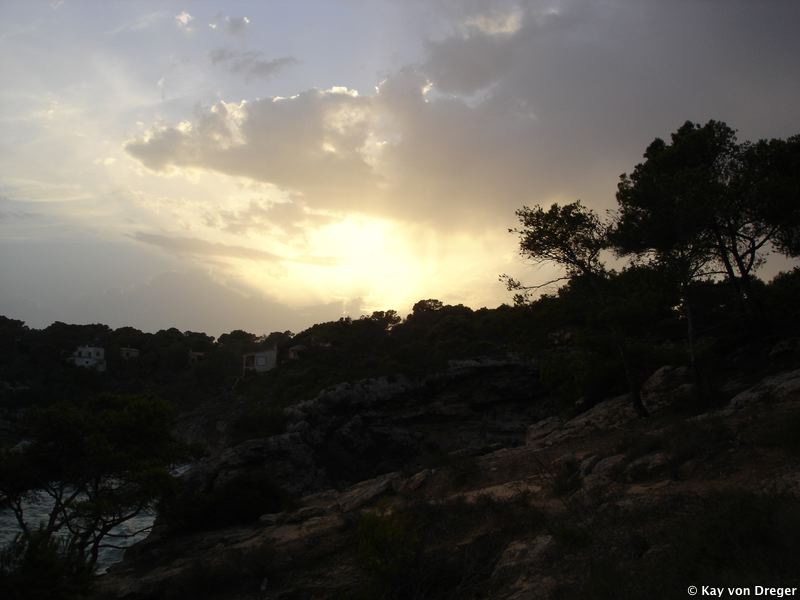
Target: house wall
(261, 361)
(90, 357)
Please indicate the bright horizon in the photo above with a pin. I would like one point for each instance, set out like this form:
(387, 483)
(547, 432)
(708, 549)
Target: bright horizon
(265, 166)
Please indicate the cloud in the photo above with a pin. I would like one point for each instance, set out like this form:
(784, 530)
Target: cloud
(520, 103)
(183, 19)
(140, 23)
(464, 65)
(312, 143)
(393, 153)
(15, 215)
(198, 248)
(288, 218)
(251, 64)
(12, 210)
(497, 22)
(230, 24)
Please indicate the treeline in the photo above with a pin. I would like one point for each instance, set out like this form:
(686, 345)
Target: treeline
(35, 363)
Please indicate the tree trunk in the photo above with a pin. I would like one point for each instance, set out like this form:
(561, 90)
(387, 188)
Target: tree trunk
(632, 378)
(690, 330)
(634, 384)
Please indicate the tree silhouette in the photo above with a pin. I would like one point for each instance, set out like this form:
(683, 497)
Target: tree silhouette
(573, 237)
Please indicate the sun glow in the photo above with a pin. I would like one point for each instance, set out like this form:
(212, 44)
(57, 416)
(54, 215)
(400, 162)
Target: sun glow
(373, 260)
(363, 258)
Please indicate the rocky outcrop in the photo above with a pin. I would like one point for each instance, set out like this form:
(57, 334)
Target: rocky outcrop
(777, 388)
(665, 387)
(356, 431)
(544, 519)
(609, 414)
(287, 458)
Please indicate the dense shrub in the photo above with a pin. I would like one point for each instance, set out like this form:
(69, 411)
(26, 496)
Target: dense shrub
(728, 539)
(412, 553)
(241, 500)
(41, 567)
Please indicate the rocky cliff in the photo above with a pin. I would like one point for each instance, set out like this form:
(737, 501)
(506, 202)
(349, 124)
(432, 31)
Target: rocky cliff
(467, 485)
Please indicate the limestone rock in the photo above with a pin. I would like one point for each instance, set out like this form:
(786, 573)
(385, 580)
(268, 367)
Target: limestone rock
(667, 386)
(777, 388)
(539, 431)
(607, 465)
(587, 464)
(360, 494)
(415, 482)
(520, 555)
(646, 465)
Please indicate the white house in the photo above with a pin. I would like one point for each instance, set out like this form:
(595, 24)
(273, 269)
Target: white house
(89, 357)
(263, 360)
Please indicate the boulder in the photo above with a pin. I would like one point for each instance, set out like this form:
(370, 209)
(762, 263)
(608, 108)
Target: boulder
(289, 462)
(539, 431)
(520, 555)
(607, 465)
(667, 386)
(414, 482)
(777, 388)
(362, 493)
(646, 465)
(587, 464)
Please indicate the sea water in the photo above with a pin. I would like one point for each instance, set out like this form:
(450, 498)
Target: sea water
(36, 510)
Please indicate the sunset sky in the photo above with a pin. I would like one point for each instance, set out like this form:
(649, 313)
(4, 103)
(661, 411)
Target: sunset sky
(268, 165)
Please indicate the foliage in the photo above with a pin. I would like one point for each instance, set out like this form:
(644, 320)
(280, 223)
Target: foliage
(729, 538)
(705, 204)
(411, 553)
(100, 462)
(239, 500)
(41, 566)
(258, 420)
(570, 236)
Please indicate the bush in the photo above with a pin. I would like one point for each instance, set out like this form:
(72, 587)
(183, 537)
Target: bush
(258, 420)
(696, 439)
(567, 477)
(582, 374)
(41, 567)
(780, 431)
(241, 500)
(221, 576)
(390, 549)
(638, 444)
(411, 553)
(728, 539)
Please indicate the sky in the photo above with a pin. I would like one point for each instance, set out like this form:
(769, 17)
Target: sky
(269, 165)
